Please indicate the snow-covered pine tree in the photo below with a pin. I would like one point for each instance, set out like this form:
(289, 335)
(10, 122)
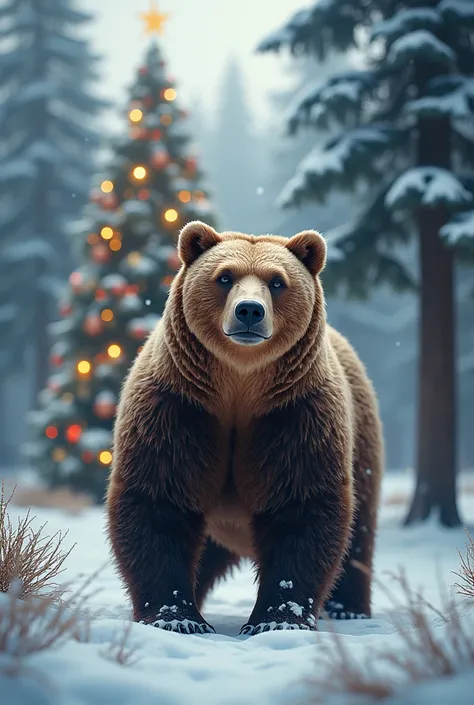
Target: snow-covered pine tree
(285, 151)
(128, 238)
(406, 148)
(381, 327)
(47, 147)
(235, 157)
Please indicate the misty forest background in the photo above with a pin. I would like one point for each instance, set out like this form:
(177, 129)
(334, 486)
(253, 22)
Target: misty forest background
(53, 140)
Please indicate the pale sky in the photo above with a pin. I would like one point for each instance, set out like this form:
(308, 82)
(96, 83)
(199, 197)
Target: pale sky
(199, 37)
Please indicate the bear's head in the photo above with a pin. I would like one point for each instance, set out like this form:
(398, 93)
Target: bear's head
(247, 299)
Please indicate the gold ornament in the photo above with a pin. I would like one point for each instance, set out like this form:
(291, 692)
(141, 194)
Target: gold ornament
(154, 20)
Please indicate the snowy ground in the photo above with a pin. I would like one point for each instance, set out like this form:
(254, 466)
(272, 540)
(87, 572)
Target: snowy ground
(223, 669)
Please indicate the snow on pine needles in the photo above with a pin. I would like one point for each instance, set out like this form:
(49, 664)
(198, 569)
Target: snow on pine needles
(101, 656)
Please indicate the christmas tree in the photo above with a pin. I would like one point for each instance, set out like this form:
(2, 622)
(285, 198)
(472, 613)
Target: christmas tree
(405, 146)
(128, 235)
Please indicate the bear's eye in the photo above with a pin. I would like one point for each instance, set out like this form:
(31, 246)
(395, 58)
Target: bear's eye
(277, 284)
(224, 279)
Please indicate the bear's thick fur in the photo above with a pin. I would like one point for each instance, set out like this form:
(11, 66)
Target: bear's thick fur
(247, 427)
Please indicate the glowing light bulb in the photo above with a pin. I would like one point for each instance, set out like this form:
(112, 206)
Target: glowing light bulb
(171, 215)
(59, 455)
(84, 367)
(136, 115)
(114, 351)
(107, 315)
(139, 173)
(169, 94)
(105, 457)
(134, 259)
(184, 196)
(107, 186)
(115, 245)
(93, 239)
(107, 233)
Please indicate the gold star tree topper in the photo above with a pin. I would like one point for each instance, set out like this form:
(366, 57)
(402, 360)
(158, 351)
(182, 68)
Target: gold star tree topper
(154, 21)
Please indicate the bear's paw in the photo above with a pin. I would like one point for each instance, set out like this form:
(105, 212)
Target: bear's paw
(336, 610)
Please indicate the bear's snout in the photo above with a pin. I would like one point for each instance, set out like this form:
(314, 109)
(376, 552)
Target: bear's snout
(249, 324)
(249, 313)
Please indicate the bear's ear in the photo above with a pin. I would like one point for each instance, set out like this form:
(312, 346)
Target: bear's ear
(194, 239)
(310, 248)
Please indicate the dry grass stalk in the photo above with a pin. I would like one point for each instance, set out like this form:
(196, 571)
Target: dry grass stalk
(27, 556)
(424, 654)
(34, 624)
(119, 651)
(466, 569)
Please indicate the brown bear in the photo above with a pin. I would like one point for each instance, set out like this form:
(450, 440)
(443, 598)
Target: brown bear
(247, 427)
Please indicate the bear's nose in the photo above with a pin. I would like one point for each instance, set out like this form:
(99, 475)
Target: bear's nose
(249, 312)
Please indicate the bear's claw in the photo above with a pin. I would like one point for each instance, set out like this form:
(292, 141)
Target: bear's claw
(335, 610)
(184, 626)
(251, 629)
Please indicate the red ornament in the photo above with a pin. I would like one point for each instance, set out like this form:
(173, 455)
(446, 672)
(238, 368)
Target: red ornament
(156, 135)
(144, 195)
(73, 433)
(191, 165)
(143, 70)
(114, 284)
(76, 281)
(100, 254)
(93, 325)
(174, 262)
(167, 281)
(101, 358)
(119, 288)
(105, 405)
(65, 309)
(88, 456)
(56, 360)
(96, 196)
(109, 202)
(137, 330)
(148, 101)
(132, 289)
(100, 295)
(160, 158)
(53, 385)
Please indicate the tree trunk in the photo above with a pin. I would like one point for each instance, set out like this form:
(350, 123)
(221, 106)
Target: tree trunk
(436, 451)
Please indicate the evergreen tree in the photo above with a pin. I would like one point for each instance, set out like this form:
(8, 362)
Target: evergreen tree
(46, 147)
(235, 158)
(152, 188)
(406, 148)
(285, 151)
(380, 328)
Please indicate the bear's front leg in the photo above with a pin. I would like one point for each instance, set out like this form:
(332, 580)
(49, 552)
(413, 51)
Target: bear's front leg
(300, 547)
(157, 545)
